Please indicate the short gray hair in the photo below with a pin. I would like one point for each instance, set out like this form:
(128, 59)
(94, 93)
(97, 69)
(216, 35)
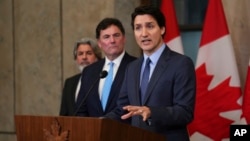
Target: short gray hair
(93, 45)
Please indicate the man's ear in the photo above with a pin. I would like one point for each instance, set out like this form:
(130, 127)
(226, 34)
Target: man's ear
(163, 30)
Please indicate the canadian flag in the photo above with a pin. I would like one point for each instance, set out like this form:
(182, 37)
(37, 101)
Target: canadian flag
(246, 99)
(172, 37)
(218, 85)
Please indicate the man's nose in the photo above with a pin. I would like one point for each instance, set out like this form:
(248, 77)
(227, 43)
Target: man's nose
(112, 39)
(84, 56)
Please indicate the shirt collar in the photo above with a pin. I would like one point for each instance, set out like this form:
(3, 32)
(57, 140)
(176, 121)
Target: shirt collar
(116, 61)
(156, 55)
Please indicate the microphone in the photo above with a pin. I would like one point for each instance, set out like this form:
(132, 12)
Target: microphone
(103, 74)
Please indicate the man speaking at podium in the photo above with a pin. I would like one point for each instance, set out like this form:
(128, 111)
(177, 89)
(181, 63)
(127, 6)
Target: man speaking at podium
(158, 90)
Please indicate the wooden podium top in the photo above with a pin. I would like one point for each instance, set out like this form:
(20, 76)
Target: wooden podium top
(62, 128)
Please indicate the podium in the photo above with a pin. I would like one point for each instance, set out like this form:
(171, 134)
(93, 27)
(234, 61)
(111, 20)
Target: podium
(62, 128)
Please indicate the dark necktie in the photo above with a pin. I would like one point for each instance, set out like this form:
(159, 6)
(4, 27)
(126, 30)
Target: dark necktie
(145, 79)
(107, 86)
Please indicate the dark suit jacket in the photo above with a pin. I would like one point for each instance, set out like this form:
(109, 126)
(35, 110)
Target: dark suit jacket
(92, 106)
(170, 95)
(68, 96)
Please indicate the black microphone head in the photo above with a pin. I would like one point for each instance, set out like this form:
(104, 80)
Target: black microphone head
(103, 74)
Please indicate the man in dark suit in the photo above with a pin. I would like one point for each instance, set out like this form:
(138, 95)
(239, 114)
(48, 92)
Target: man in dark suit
(86, 51)
(164, 103)
(110, 36)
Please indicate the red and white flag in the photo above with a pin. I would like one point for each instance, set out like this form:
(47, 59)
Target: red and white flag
(172, 37)
(218, 94)
(246, 99)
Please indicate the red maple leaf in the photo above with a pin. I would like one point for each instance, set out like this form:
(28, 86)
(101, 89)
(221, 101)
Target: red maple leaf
(210, 103)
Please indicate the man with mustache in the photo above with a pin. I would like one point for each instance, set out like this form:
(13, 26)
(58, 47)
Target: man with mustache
(86, 52)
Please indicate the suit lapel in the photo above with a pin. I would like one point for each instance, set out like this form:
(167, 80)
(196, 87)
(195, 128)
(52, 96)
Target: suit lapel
(96, 92)
(159, 69)
(118, 79)
(74, 87)
(137, 81)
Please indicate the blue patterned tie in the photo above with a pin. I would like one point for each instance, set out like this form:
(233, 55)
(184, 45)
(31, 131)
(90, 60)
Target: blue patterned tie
(145, 79)
(107, 86)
